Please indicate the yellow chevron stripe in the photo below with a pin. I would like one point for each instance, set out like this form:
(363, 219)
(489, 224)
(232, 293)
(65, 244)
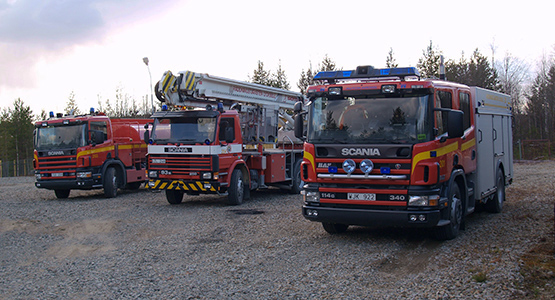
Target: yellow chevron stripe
(189, 80)
(168, 81)
(200, 186)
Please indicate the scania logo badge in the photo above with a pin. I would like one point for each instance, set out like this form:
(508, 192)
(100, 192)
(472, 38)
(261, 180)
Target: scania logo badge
(360, 151)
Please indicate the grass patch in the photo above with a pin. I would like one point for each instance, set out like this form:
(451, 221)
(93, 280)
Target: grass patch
(538, 270)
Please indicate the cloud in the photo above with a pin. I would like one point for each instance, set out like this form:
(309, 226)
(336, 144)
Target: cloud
(32, 30)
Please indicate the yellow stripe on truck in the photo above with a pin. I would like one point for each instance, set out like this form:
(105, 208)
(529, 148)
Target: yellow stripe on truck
(439, 152)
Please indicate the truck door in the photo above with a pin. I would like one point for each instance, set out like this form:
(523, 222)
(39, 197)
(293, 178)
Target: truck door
(485, 166)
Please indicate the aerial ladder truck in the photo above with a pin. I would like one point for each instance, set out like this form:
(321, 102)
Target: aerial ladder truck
(221, 136)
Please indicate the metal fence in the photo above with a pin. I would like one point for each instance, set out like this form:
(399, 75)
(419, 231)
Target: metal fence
(13, 168)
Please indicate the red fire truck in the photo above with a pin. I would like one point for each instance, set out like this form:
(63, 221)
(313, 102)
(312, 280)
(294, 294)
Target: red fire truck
(386, 148)
(222, 136)
(89, 152)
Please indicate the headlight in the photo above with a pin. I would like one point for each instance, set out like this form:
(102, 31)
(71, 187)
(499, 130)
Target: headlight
(349, 166)
(152, 174)
(366, 166)
(84, 174)
(158, 160)
(37, 176)
(206, 175)
(431, 200)
(311, 196)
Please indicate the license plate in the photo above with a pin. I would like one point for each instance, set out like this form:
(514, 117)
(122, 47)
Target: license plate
(57, 174)
(361, 196)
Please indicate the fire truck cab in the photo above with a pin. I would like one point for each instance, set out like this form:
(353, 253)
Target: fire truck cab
(385, 148)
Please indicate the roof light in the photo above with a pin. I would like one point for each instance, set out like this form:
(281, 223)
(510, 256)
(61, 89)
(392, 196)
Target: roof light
(367, 72)
(164, 107)
(51, 114)
(92, 110)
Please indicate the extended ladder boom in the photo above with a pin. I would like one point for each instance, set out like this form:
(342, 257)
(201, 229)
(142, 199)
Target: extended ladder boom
(197, 89)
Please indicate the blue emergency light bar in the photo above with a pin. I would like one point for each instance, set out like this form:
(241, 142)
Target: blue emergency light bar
(367, 72)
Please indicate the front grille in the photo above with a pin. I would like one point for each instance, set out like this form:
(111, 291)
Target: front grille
(57, 167)
(181, 164)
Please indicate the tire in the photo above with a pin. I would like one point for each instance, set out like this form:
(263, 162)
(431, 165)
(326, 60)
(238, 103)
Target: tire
(236, 191)
(451, 231)
(296, 182)
(333, 228)
(495, 205)
(174, 196)
(110, 183)
(62, 194)
(134, 185)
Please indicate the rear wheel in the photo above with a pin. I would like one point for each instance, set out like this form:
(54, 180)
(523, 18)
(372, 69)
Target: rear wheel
(174, 196)
(62, 194)
(236, 190)
(333, 228)
(495, 205)
(110, 183)
(450, 231)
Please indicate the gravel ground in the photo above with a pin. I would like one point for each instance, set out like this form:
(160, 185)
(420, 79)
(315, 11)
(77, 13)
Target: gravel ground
(137, 246)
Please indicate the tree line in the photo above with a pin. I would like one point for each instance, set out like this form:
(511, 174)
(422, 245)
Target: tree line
(533, 96)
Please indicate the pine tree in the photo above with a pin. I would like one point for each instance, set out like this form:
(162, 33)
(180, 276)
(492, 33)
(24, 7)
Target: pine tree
(428, 65)
(475, 72)
(71, 106)
(327, 64)
(390, 61)
(306, 79)
(260, 75)
(279, 79)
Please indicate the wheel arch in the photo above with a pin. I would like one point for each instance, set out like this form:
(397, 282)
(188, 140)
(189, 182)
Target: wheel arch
(120, 170)
(458, 177)
(244, 170)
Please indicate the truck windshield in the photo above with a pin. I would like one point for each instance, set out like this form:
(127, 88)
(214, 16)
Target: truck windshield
(184, 130)
(379, 120)
(60, 137)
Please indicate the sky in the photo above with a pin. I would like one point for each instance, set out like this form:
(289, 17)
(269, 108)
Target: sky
(52, 48)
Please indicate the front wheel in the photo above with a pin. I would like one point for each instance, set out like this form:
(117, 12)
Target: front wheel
(110, 183)
(61, 194)
(174, 196)
(333, 228)
(451, 231)
(236, 190)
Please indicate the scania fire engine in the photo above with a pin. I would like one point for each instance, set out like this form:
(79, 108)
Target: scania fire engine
(222, 136)
(385, 148)
(89, 152)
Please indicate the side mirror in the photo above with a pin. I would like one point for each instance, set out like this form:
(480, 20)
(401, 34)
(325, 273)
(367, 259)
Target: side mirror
(299, 125)
(455, 124)
(146, 135)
